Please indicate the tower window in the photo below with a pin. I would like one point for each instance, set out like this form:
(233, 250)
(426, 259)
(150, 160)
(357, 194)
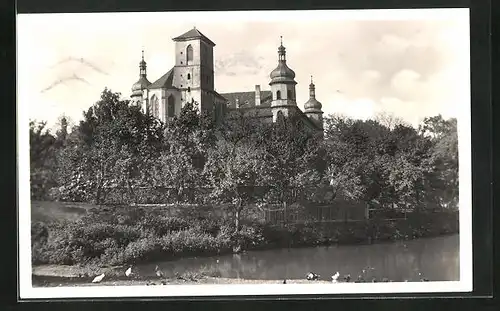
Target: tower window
(189, 54)
(289, 94)
(278, 94)
(189, 76)
(280, 117)
(189, 89)
(155, 106)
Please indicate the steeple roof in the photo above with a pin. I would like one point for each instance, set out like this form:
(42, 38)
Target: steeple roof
(164, 81)
(193, 34)
(313, 105)
(143, 81)
(282, 73)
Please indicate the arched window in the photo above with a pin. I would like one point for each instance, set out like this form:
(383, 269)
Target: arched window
(171, 106)
(189, 89)
(280, 118)
(189, 55)
(155, 106)
(189, 76)
(289, 94)
(278, 94)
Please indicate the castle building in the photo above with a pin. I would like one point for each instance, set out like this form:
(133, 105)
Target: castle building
(192, 80)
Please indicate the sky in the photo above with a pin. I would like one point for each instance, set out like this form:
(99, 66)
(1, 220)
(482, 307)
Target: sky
(408, 63)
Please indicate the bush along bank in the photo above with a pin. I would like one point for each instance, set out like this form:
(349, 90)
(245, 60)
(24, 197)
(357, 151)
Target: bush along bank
(117, 236)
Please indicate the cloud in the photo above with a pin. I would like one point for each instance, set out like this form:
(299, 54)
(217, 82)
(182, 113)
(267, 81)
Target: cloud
(370, 76)
(241, 62)
(405, 81)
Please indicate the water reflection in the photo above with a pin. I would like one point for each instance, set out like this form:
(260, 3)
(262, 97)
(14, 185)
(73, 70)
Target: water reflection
(436, 258)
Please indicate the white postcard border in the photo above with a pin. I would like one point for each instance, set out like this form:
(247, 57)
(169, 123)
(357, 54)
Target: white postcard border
(26, 291)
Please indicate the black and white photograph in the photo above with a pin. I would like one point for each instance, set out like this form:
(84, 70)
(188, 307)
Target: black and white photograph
(220, 153)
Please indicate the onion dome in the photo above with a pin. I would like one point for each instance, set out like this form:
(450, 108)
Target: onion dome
(282, 73)
(140, 85)
(312, 105)
(143, 82)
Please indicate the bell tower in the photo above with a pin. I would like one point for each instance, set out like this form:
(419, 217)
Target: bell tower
(282, 86)
(194, 68)
(312, 108)
(140, 88)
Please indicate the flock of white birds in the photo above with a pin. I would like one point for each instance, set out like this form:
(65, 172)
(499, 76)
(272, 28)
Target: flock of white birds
(128, 273)
(311, 276)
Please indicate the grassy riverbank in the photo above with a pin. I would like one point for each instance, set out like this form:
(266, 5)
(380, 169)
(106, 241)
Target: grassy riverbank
(113, 236)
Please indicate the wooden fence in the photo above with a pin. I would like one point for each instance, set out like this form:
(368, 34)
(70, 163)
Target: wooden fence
(338, 211)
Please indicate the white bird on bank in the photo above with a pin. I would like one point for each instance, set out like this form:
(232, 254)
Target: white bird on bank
(129, 271)
(98, 278)
(335, 277)
(158, 272)
(311, 276)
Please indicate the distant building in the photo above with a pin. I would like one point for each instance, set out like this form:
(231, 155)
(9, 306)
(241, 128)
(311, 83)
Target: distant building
(192, 79)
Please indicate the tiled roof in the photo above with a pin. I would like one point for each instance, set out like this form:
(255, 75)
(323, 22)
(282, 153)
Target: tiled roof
(257, 111)
(193, 34)
(306, 118)
(266, 112)
(217, 94)
(247, 99)
(164, 82)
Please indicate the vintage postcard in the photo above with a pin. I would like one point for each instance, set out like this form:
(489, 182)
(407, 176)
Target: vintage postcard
(244, 153)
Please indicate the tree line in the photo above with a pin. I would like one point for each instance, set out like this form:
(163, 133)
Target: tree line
(241, 161)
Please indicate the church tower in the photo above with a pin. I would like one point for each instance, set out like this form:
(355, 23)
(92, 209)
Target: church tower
(312, 108)
(193, 74)
(282, 87)
(140, 88)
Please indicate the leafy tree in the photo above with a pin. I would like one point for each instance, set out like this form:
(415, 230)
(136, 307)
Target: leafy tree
(177, 172)
(110, 149)
(389, 120)
(235, 163)
(414, 174)
(42, 160)
(234, 172)
(293, 164)
(444, 136)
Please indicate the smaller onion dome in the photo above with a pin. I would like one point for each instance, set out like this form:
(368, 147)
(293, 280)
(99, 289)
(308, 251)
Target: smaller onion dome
(140, 85)
(312, 105)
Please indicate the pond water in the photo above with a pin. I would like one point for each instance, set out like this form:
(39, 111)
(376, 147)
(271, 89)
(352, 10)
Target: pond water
(437, 259)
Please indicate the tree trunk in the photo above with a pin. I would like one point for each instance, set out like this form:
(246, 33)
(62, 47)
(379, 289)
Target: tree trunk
(237, 216)
(417, 198)
(131, 192)
(179, 194)
(98, 194)
(285, 218)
